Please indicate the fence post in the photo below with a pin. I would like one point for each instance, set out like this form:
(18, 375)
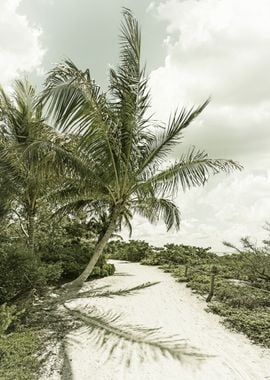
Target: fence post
(214, 272)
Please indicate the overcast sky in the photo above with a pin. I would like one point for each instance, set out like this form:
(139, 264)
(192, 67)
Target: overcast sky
(193, 49)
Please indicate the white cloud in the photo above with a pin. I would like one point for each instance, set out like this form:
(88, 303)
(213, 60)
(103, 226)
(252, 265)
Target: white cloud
(20, 47)
(219, 48)
(227, 209)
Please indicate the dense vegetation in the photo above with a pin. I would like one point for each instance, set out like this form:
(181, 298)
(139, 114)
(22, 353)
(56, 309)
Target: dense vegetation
(25, 278)
(240, 281)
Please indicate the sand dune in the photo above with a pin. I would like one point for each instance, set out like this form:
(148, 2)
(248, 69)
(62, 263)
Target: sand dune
(173, 307)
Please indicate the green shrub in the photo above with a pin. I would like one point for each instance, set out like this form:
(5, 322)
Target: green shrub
(18, 356)
(103, 271)
(178, 255)
(8, 317)
(254, 323)
(21, 271)
(73, 256)
(151, 260)
(134, 250)
(182, 279)
(243, 296)
(200, 283)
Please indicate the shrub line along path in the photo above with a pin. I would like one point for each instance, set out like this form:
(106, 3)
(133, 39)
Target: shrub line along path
(174, 308)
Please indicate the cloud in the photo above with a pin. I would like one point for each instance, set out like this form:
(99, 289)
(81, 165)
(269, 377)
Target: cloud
(218, 48)
(223, 210)
(20, 47)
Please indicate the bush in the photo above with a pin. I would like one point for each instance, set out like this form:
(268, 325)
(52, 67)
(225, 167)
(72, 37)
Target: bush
(200, 283)
(70, 243)
(73, 256)
(254, 323)
(137, 250)
(178, 255)
(21, 271)
(243, 296)
(8, 317)
(134, 250)
(18, 356)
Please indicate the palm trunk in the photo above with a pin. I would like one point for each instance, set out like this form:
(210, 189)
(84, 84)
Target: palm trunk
(31, 231)
(78, 282)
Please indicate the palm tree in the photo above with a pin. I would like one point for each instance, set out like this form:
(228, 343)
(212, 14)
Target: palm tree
(98, 225)
(27, 156)
(127, 154)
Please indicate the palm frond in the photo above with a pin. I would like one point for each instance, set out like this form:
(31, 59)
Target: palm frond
(193, 169)
(155, 209)
(128, 86)
(172, 135)
(74, 100)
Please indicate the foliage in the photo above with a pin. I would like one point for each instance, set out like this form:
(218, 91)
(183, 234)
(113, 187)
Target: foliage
(134, 250)
(125, 167)
(27, 157)
(72, 256)
(254, 323)
(255, 260)
(21, 271)
(18, 355)
(243, 296)
(178, 254)
(71, 244)
(243, 306)
(8, 315)
(63, 250)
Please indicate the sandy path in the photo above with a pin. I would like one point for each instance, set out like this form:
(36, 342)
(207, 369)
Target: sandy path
(173, 307)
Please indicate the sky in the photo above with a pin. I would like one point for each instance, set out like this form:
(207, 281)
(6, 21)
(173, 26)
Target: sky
(193, 49)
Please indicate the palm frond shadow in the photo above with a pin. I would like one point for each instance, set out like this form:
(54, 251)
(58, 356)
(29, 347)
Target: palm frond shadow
(99, 292)
(108, 334)
(123, 274)
(115, 339)
(105, 330)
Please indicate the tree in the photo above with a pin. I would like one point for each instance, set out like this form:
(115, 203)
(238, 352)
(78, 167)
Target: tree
(127, 154)
(254, 260)
(28, 152)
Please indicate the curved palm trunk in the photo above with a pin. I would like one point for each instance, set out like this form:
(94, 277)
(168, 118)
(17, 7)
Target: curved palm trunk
(78, 282)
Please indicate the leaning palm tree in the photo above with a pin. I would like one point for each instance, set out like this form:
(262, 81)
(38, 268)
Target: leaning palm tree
(128, 168)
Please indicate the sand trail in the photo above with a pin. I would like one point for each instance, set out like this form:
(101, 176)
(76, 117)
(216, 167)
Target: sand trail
(174, 308)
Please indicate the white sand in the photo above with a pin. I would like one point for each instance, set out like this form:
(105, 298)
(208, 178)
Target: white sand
(173, 307)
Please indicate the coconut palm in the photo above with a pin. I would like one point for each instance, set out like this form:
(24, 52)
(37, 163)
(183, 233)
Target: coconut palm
(128, 168)
(27, 156)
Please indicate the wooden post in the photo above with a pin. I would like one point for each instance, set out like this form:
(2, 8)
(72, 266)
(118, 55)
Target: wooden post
(214, 272)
